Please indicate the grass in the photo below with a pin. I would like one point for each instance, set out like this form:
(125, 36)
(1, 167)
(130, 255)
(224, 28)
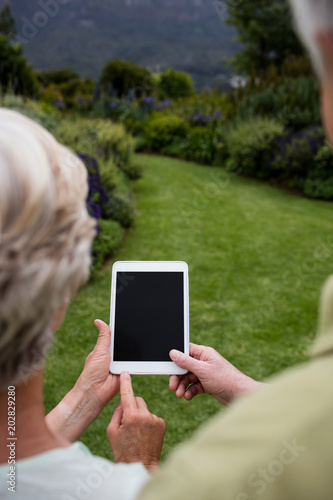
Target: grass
(257, 258)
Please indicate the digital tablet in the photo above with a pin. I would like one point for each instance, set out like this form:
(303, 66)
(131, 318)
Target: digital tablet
(149, 316)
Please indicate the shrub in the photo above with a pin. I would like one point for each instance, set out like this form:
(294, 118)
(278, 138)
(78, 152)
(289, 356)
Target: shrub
(120, 210)
(318, 188)
(74, 94)
(113, 140)
(107, 240)
(176, 149)
(109, 178)
(133, 171)
(101, 138)
(122, 110)
(201, 145)
(294, 102)
(100, 203)
(251, 144)
(79, 135)
(140, 143)
(319, 183)
(295, 156)
(175, 84)
(41, 113)
(324, 161)
(162, 130)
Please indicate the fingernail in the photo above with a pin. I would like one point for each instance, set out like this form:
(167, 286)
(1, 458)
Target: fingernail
(174, 354)
(126, 374)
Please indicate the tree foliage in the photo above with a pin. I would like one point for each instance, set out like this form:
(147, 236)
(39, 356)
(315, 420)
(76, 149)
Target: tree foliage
(175, 84)
(122, 77)
(16, 75)
(266, 30)
(57, 76)
(66, 88)
(7, 22)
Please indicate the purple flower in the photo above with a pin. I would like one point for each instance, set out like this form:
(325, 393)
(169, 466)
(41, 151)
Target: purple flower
(218, 114)
(59, 104)
(166, 103)
(148, 100)
(90, 162)
(200, 119)
(81, 101)
(114, 105)
(94, 209)
(97, 194)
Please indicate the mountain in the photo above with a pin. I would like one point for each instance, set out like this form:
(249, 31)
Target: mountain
(84, 34)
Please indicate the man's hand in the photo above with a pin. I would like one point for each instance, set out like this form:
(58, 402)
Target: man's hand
(95, 387)
(135, 434)
(210, 373)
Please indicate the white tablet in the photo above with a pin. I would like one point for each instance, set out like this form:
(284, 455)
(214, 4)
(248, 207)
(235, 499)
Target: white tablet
(149, 316)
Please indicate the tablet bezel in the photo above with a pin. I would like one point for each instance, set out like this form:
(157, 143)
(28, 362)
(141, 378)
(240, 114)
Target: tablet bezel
(149, 367)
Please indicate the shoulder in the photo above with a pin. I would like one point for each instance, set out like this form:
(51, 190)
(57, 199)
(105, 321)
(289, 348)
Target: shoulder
(73, 472)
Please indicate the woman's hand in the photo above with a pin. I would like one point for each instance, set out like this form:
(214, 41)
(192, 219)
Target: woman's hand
(135, 434)
(210, 373)
(96, 381)
(95, 387)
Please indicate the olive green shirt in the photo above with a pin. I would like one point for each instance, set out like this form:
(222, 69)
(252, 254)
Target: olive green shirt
(276, 444)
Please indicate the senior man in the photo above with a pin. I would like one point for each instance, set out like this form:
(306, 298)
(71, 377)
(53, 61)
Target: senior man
(278, 442)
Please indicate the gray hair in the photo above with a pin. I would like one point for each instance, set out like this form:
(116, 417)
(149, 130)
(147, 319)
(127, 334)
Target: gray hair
(311, 17)
(45, 240)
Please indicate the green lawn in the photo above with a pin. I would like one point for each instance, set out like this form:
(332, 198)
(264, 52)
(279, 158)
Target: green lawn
(257, 258)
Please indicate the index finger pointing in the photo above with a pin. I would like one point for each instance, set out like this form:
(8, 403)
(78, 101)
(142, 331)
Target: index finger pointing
(127, 397)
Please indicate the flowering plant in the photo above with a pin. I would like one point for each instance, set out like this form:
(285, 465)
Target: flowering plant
(97, 194)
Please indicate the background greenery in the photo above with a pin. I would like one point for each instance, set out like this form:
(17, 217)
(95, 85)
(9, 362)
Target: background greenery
(267, 128)
(257, 259)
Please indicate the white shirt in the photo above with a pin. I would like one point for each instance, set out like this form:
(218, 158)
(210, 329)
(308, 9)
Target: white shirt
(71, 473)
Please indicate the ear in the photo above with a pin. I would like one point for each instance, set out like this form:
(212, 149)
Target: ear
(325, 42)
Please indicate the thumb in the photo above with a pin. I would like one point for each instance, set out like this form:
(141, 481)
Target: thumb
(104, 335)
(184, 361)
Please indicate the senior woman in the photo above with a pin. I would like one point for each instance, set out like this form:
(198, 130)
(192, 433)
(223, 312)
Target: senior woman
(45, 240)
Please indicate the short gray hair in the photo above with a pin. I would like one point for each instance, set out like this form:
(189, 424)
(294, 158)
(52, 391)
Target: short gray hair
(45, 240)
(311, 17)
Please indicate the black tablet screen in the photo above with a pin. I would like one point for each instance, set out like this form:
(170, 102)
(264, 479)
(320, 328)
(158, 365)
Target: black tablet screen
(149, 318)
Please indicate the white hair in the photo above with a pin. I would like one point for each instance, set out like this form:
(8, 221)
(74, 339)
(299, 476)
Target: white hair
(311, 17)
(45, 240)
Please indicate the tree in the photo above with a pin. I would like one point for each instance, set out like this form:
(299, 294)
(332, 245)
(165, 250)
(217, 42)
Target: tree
(125, 76)
(16, 74)
(266, 31)
(175, 84)
(7, 22)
